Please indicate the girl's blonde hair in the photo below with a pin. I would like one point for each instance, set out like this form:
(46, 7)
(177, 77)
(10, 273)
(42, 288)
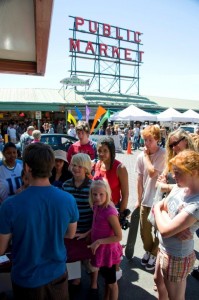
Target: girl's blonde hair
(187, 161)
(83, 160)
(178, 134)
(103, 184)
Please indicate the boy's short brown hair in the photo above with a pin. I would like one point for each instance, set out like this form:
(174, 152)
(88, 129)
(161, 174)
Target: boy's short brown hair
(40, 158)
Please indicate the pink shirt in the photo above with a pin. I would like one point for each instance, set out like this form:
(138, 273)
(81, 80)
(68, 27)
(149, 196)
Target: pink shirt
(106, 255)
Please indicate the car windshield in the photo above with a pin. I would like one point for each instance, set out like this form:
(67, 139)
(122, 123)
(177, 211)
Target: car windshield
(51, 140)
(62, 142)
(187, 128)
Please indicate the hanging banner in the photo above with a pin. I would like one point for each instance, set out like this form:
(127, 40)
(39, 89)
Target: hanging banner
(99, 113)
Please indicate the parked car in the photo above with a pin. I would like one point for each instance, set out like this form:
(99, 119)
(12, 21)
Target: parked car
(58, 140)
(55, 140)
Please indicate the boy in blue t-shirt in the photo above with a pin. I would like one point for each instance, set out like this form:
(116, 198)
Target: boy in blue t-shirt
(37, 220)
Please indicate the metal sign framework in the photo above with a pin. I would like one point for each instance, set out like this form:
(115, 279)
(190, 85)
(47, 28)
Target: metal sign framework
(110, 67)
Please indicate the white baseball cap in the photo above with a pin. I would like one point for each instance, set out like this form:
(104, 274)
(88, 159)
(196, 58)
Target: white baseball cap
(60, 154)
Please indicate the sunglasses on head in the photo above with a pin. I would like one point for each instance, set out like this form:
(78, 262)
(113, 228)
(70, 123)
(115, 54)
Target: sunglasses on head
(176, 143)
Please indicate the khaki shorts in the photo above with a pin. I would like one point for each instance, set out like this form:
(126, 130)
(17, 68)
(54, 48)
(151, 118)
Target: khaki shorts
(175, 269)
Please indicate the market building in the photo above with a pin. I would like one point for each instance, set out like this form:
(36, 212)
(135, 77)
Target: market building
(20, 104)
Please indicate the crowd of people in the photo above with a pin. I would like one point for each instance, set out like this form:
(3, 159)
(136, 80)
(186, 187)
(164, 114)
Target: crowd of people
(58, 207)
(15, 130)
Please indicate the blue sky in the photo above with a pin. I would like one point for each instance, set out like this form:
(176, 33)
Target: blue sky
(170, 43)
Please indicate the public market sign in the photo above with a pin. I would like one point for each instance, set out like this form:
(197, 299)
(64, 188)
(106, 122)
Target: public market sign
(105, 48)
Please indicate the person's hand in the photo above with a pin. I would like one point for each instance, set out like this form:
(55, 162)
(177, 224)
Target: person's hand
(80, 236)
(162, 178)
(160, 204)
(184, 235)
(146, 151)
(94, 246)
(137, 204)
(163, 186)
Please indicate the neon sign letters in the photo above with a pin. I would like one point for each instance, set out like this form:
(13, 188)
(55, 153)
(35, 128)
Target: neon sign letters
(106, 32)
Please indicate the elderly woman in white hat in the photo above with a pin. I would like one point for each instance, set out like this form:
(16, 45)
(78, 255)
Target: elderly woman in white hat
(60, 172)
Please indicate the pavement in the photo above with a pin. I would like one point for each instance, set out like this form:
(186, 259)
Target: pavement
(136, 282)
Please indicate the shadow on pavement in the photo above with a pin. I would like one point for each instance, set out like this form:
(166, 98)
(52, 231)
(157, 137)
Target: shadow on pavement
(130, 286)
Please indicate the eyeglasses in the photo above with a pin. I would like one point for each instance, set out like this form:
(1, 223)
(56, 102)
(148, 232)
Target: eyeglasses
(176, 143)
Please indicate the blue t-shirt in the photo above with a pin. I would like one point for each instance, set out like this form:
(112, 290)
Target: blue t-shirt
(38, 219)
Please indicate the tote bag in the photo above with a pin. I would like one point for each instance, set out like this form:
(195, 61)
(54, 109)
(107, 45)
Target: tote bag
(158, 196)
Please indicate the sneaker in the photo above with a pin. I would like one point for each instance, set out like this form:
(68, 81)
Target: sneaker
(151, 263)
(118, 274)
(145, 258)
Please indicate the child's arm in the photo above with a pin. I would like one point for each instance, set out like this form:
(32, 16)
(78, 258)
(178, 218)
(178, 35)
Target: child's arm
(82, 235)
(170, 227)
(114, 222)
(152, 172)
(165, 187)
(123, 178)
(182, 235)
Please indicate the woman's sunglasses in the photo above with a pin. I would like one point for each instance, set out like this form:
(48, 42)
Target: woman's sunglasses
(176, 143)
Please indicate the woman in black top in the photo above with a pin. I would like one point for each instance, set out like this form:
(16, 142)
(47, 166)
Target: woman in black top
(60, 172)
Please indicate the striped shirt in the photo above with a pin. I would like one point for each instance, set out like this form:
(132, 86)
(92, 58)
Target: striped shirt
(81, 195)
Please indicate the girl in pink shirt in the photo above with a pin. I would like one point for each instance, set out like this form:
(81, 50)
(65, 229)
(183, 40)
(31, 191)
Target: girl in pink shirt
(106, 234)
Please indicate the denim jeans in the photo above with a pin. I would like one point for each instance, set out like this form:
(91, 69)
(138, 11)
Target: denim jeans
(125, 143)
(136, 142)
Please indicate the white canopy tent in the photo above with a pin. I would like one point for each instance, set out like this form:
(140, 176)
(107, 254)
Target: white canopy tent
(191, 115)
(170, 115)
(133, 113)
